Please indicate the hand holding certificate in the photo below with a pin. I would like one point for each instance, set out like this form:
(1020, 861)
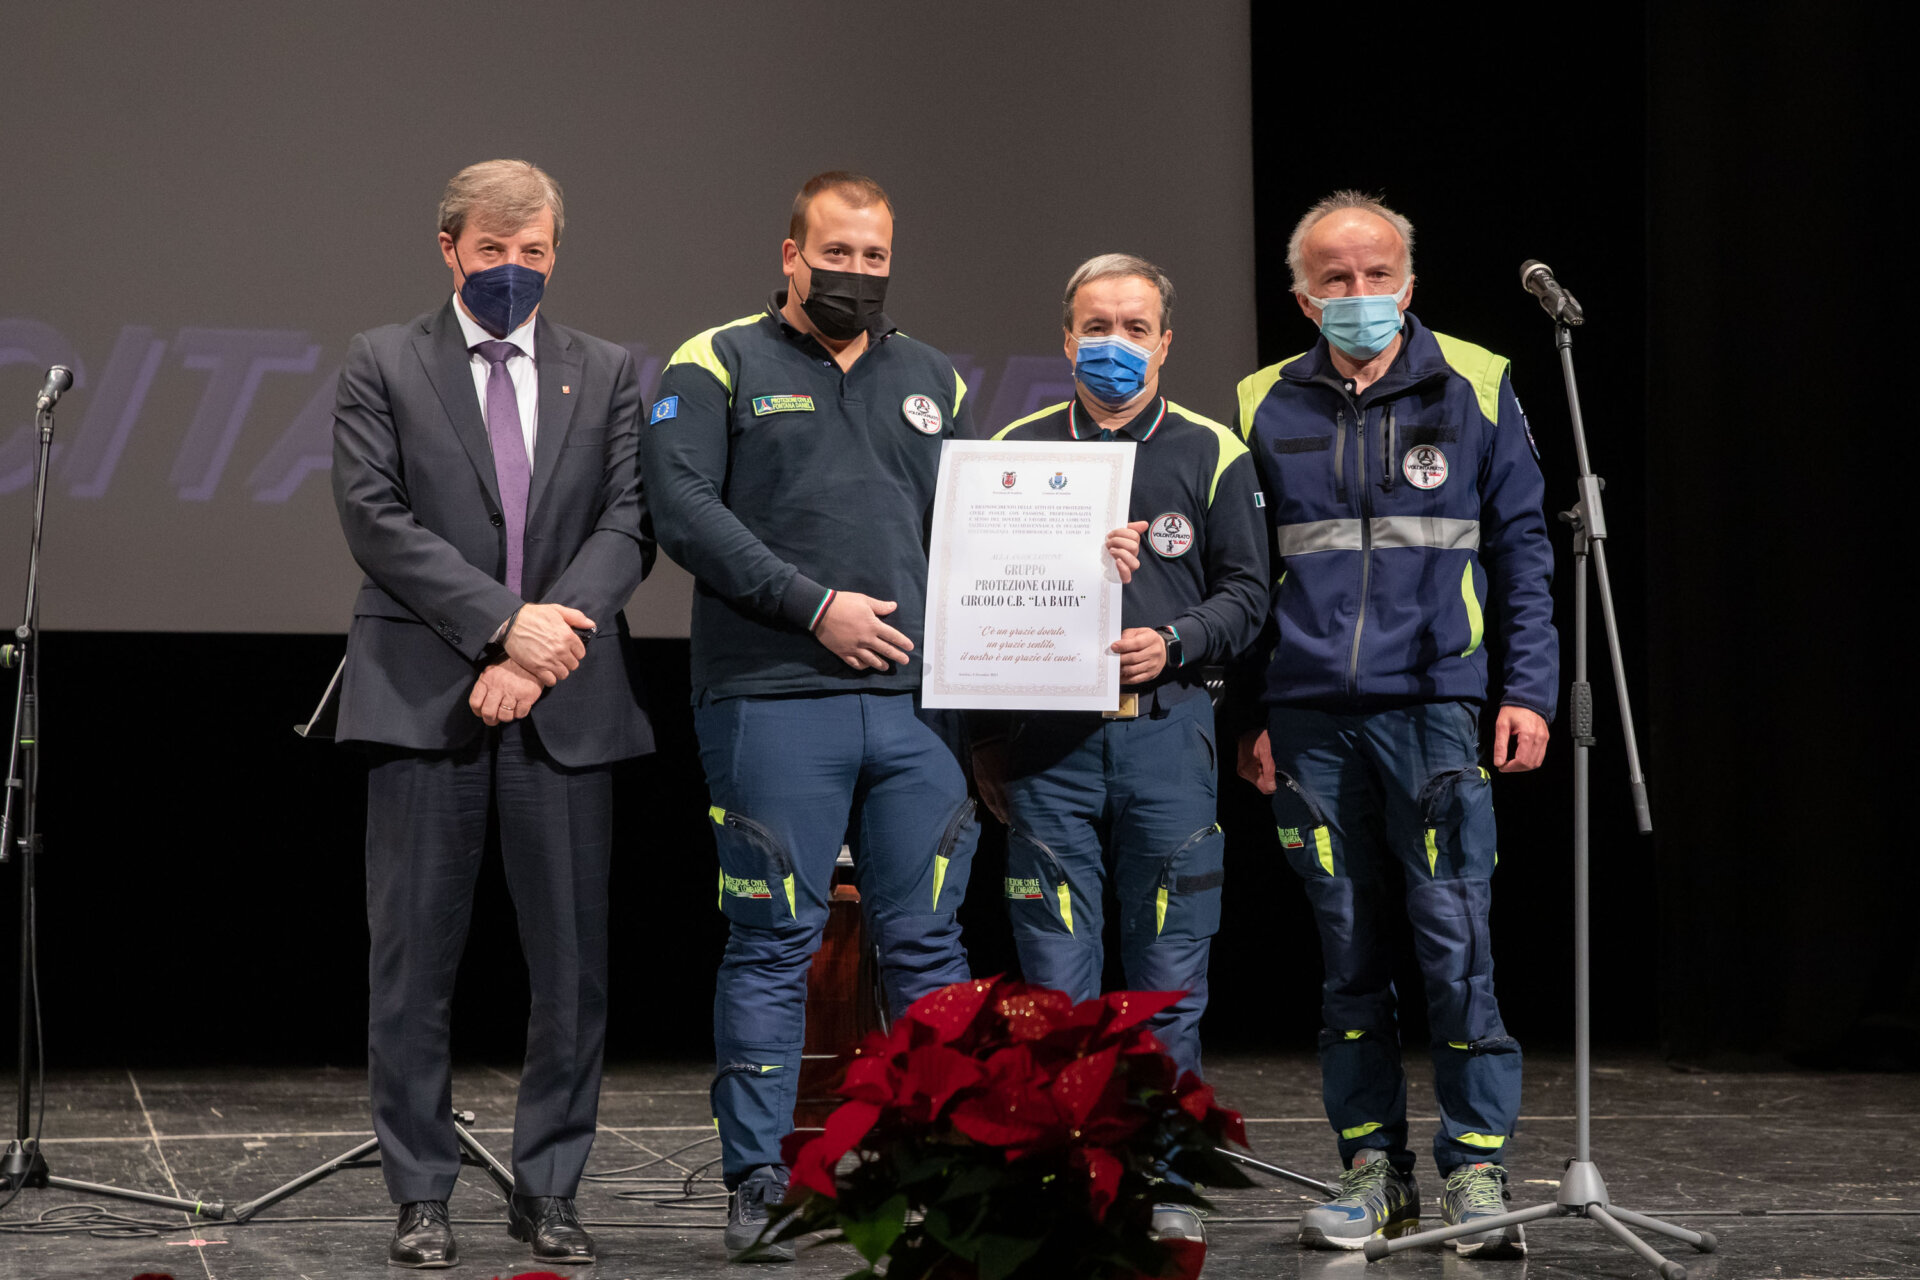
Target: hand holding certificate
(1023, 601)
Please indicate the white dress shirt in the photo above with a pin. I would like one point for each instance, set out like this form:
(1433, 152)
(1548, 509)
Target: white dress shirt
(521, 368)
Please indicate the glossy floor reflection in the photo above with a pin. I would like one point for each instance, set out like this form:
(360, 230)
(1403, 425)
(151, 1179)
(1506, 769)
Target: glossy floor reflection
(1800, 1175)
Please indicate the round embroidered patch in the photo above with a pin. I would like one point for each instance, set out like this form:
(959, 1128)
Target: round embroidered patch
(1171, 535)
(922, 414)
(1425, 467)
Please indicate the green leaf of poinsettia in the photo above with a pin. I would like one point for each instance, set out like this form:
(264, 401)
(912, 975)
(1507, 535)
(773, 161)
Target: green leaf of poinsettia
(874, 1234)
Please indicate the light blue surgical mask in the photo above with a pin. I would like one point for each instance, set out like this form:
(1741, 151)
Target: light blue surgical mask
(1363, 325)
(1111, 368)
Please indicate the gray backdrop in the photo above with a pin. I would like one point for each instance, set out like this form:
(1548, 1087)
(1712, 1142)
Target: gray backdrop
(206, 200)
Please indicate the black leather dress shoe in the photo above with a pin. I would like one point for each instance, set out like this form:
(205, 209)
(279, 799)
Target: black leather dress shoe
(423, 1237)
(550, 1225)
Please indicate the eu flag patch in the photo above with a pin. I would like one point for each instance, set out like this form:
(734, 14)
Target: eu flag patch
(669, 407)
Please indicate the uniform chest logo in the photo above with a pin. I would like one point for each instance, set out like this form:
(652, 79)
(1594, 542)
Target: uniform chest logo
(764, 405)
(1171, 535)
(922, 414)
(1425, 467)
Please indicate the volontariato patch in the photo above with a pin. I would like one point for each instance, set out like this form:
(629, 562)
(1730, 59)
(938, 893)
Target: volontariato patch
(1425, 467)
(1171, 535)
(922, 414)
(764, 405)
(669, 407)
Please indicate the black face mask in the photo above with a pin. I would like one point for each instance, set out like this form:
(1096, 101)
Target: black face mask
(842, 304)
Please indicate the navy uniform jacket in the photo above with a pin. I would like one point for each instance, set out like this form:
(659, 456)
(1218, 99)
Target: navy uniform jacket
(778, 478)
(1203, 560)
(413, 479)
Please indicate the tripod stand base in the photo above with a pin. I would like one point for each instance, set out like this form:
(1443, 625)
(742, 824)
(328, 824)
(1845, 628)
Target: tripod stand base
(1583, 1194)
(24, 1166)
(366, 1156)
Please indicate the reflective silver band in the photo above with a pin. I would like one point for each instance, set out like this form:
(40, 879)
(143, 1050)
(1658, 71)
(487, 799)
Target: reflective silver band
(1387, 531)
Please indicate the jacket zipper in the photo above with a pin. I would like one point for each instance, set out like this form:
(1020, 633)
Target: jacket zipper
(1366, 543)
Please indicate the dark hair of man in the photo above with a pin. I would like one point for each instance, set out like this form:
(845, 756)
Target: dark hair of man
(856, 189)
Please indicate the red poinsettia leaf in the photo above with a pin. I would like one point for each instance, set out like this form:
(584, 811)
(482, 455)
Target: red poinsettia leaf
(870, 1079)
(1010, 1108)
(1229, 1124)
(1030, 1012)
(1195, 1095)
(812, 1165)
(1103, 1178)
(934, 1073)
(1083, 1082)
(951, 1009)
(1132, 1007)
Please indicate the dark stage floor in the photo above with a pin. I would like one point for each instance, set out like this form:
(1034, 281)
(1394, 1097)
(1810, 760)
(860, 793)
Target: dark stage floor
(1799, 1174)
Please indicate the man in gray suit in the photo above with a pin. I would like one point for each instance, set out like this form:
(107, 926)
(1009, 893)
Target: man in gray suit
(484, 469)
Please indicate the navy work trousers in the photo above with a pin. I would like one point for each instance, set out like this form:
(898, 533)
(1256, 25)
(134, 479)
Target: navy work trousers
(1358, 794)
(1131, 799)
(791, 779)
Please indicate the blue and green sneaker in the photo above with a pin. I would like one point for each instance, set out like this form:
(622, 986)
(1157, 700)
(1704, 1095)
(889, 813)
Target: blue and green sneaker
(1375, 1200)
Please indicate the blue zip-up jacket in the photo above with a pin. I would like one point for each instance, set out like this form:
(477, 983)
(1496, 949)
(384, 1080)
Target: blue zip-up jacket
(1404, 519)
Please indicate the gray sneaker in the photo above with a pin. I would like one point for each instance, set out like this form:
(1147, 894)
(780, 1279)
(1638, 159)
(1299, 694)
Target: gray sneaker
(1480, 1191)
(1375, 1200)
(747, 1217)
(1176, 1222)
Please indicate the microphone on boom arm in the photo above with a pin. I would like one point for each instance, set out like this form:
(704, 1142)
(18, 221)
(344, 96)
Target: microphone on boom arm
(1536, 277)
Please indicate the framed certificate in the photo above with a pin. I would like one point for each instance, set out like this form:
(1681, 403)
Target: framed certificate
(1022, 598)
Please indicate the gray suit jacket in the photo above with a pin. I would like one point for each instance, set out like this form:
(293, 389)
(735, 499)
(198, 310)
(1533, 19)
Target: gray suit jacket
(414, 482)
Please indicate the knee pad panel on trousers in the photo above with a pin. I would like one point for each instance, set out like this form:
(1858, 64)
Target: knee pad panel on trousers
(757, 886)
(1357, 993)
(1452, 944)
(1456, 808)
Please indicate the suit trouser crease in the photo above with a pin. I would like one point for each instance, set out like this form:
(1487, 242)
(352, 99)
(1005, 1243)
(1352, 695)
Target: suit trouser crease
(427, 820)
(791, 779)
(1126, 805)
(1393, 805)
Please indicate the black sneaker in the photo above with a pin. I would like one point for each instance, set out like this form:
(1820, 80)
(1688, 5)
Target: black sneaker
(747, 1217)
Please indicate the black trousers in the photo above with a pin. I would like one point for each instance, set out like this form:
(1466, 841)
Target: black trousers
(427, 817)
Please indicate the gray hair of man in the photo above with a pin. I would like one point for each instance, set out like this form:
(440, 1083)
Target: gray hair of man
(1347, 199)
(1114, 266)
(502, 196)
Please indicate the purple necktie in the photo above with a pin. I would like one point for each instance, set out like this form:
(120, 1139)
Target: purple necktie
(510, 466)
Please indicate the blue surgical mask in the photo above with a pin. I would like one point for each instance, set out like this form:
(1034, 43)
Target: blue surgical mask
(1363, 325)
(1112, 369)
(501, 298)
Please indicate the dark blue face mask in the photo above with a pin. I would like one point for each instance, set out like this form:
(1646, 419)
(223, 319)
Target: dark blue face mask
(501, 298)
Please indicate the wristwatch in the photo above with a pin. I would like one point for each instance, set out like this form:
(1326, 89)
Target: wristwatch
(1175, 650)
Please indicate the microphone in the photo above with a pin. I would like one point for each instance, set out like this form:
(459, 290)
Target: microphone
(59, 379)
(1536, 277)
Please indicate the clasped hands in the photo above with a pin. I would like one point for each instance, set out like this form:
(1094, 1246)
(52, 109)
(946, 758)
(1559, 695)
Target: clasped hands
(541, 651)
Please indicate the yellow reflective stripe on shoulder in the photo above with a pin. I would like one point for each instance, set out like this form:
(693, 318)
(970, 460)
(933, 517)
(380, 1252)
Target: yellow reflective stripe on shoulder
(1035, 416)
(718, 814)
(1231, 446)
(1480, 367)
(793, 907)
(1361, 1130)
(1066, 907)
(1253, 389)
(1476, 622)
(699, 350)
(1323, 845)
(1159, 911)
(959, 390)
(1485, 1141)
(1433, 852)
(939, 877)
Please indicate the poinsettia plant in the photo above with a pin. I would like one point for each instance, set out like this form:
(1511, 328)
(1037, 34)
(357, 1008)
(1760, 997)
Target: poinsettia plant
(1001, 1130)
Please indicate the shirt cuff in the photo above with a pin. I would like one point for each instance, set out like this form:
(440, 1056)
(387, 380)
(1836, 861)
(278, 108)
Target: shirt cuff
(804, 602)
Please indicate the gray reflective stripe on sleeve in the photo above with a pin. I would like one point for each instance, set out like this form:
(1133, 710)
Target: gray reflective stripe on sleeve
(1388, 531)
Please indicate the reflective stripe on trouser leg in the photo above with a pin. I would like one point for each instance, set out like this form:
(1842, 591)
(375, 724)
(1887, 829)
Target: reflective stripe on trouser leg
(1477, 1087)
(1056, 873)
(1170, 913)
(1057, 924)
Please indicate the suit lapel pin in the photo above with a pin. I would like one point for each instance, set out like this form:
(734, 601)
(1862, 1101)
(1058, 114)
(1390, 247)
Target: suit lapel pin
(565, 390)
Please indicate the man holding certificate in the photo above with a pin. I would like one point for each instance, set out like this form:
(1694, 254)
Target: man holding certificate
(1130, 793)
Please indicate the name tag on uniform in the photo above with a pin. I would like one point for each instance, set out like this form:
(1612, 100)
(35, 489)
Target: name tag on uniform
(764, 405)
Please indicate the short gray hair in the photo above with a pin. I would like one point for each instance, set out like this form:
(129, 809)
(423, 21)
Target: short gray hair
(1114, 266)
(502, 196)
(1346, 199)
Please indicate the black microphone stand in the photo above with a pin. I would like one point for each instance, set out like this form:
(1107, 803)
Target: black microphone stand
(1583, 1193)
(24, 1165)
